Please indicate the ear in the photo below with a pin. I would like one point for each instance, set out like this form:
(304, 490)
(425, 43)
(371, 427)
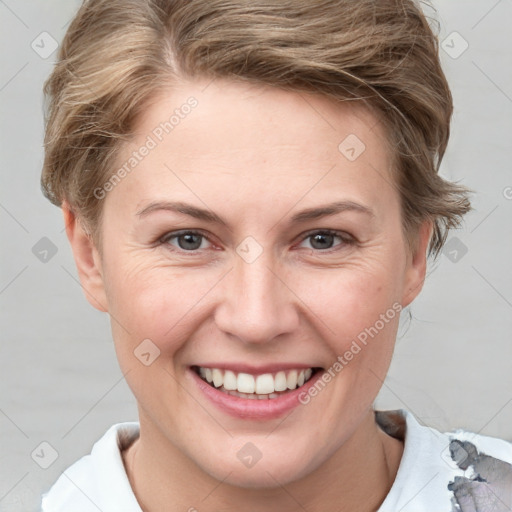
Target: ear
(417, 264)
(87, 259)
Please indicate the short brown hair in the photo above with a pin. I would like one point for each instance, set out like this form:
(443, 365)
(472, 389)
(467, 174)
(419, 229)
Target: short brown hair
(117, 54)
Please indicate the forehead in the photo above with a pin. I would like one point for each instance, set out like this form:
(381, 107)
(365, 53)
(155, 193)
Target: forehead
(219, 138)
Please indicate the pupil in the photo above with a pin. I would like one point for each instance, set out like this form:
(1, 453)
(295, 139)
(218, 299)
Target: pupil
(322, 238)
(189, 239)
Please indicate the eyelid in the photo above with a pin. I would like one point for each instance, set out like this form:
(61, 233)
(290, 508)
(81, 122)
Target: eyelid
(175, 234)
(329, 231)
(347, 238)
(179, 232)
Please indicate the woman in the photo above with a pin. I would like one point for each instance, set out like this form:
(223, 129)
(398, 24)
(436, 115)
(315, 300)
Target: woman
(250, 191)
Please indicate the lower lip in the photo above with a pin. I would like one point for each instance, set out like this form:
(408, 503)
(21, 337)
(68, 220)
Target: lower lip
(254, 409)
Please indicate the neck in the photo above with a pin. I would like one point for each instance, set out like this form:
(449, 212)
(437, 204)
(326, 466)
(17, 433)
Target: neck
(356, 478)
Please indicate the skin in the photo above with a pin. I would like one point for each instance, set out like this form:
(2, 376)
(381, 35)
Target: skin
(255, 156)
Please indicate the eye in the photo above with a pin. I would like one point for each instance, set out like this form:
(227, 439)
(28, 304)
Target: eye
(185, 240)
(321, 240)
(325, 239)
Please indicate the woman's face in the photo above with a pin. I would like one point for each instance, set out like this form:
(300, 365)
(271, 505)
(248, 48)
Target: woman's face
(257, 240)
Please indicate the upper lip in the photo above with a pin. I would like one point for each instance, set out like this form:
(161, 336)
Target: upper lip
(256, 370)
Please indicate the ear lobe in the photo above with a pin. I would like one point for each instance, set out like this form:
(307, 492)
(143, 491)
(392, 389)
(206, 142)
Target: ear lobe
(87, 259)
(417, 264)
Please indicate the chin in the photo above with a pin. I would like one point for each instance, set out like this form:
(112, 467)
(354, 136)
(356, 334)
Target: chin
(263, 474)
(262, 478)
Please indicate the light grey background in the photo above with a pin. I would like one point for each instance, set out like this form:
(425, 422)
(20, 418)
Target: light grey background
(60, 379)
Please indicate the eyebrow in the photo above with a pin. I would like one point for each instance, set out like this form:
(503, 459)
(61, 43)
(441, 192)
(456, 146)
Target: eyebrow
(300, 217)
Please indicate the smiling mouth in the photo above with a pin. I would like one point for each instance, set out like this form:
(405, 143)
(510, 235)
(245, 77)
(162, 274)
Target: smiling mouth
(265, 386)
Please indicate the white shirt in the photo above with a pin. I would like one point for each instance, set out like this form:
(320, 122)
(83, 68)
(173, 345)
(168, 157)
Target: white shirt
(428, 478)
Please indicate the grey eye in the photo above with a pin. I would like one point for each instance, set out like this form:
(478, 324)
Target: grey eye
(189, 241)
(186, 240)
(322, 240)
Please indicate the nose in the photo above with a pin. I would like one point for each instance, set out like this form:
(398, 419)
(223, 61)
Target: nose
(257, 304)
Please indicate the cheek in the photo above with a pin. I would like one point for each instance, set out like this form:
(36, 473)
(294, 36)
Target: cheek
(156, 303)
(347, 301)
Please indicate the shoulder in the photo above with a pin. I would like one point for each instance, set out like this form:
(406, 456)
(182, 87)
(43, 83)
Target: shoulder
(486, 463)
(446, 469)
(98, 480)
(470, 441)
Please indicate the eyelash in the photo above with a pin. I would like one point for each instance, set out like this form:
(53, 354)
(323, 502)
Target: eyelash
(345, 238)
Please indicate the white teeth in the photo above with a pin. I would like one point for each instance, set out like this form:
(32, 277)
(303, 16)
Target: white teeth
(230, 380)
(264, 384)
(217, 378)
(280, 382)
(245, 385)
(291, 380)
